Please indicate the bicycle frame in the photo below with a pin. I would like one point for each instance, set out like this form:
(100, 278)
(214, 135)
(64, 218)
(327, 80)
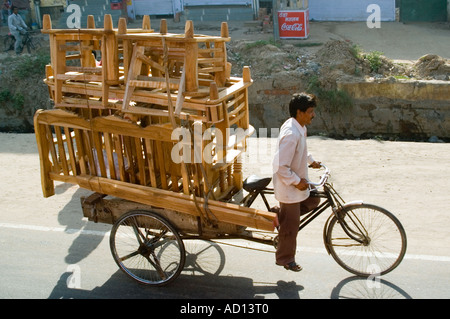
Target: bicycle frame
(330, 195)
(332, 199)
(26, 40)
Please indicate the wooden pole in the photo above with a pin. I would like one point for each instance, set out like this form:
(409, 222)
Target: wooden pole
(191, 57)
(275, 7)
(146, 23)
(90, 22)
(220, 77)
(112, 58)
(163, 26)
(126, 45)
(169, 97)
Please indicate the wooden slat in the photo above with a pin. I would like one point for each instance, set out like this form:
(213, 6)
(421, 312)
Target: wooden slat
(239, 108)
(232, 89)
(61, 151)
(81, 69)
(98, 145)
(210, 69)
(150, 62)
(128, 151)
(89, 147)
(211, 60)
(81, 151)
(119, 151)
(150, 156)
(71, 150)
(110, 155)
(47, 184)
(140, 161)
(79, 77)
(154, 83)
(49, 136)
(76, 47)
(133, 72)
(161, 164)
(237, 118)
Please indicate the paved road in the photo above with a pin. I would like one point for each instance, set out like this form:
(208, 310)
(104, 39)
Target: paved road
(46, 262)
(50, 251)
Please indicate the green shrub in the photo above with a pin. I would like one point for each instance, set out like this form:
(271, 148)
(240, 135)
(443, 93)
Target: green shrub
(32, 65)
(334, 101)
(375, 60)
(261, 43)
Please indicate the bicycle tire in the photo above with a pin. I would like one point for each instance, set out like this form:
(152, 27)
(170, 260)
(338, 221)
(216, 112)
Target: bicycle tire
(29, 43)
(34, 44)
(29, 46)
(382, 250)
(147, 248)
(8, 43)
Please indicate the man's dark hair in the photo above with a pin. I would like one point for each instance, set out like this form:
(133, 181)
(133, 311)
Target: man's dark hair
(301, 101)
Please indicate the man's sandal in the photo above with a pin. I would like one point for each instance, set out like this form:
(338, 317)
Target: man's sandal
(293, 266)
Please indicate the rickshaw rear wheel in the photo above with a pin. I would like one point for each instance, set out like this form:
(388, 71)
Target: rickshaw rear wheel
(147, 248)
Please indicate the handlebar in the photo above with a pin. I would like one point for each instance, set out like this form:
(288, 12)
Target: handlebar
(323, 178)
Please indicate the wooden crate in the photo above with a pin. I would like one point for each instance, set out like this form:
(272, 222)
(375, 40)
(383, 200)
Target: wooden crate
(116, 127)
(143, 72)
(113, 156)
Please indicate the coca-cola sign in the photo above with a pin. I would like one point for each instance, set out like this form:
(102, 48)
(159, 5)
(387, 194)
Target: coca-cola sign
(292, 27)
(293, 23)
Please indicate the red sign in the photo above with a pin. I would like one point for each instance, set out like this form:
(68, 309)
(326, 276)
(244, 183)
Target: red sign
(293, 24)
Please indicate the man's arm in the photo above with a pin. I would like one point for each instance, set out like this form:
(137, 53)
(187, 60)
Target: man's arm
(24, 25)
(286, 151)
(11, 25)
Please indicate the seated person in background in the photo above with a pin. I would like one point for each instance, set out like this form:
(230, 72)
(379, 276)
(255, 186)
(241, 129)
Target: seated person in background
(17, 28)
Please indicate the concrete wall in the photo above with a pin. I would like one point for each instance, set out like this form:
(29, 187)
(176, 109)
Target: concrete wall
(397, 109)
(349, 10)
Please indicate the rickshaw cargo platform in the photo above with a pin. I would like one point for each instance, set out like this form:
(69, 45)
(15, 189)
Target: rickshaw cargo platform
(107, 209)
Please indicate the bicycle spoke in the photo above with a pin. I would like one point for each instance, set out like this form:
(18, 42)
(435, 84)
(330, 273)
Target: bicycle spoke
(129, 256)
(157, 265)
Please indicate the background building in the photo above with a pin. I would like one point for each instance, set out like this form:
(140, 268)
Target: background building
(243, 10)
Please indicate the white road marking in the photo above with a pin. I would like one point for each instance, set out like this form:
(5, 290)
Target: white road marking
(54, 229)
(240, 243)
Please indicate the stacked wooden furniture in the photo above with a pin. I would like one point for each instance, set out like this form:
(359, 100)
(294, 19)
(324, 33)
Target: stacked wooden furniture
(147, 124)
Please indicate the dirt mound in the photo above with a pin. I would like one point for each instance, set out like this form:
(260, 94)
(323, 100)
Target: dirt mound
(338, 53)
(432, 66)
(264, 57)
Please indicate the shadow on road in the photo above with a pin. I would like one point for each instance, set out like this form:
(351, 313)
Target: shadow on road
(200, 279)
(363, 288)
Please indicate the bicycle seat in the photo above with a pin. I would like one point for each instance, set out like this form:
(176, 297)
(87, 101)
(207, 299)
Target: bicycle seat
(256, 183)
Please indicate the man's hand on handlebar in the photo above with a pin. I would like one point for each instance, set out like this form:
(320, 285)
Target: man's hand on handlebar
(315, 164)
(303, 185)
